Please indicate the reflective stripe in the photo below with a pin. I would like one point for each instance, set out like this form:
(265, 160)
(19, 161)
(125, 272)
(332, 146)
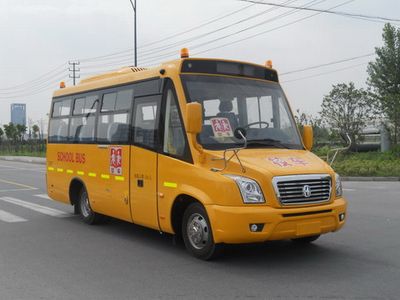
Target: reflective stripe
(60, 170)
(170, 184)
(80, 173)
(92, 174)
(119, 178)
(70, 172)
(105, 176)
(50, 168)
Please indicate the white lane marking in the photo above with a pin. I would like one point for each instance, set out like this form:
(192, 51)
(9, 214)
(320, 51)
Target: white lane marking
(348, 190)
(13, 168)
(17, 190)
(44, 196)
(10, 218)
(36, 207)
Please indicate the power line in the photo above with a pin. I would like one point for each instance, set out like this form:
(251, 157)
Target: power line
(35, 91)
(28, 86)
(210, 21)
(314, 2)
(325, 73)
(340, 13)
(188, 40)
(269, 30)
(213, 20)
(35, 80)
(326, 64)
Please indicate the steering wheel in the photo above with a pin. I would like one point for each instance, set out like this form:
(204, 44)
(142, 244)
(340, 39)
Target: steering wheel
(254, 123)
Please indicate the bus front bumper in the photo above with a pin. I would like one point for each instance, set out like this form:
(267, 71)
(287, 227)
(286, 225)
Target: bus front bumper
(233, 225)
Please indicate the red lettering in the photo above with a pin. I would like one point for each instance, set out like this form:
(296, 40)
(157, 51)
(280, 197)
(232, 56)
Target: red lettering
(80, 158)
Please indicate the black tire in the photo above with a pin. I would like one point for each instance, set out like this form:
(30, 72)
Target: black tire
(306, 240)
(199, 242)
(85, 211)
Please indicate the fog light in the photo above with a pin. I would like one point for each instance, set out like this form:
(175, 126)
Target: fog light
(341, 217)
(257, 227)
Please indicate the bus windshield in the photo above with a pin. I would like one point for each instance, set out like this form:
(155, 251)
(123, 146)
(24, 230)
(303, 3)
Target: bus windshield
(259, 107)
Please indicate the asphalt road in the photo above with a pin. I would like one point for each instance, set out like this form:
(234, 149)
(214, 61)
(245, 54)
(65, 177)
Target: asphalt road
(48, 253)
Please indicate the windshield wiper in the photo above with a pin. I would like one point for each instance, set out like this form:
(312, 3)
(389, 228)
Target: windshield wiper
(267, 142)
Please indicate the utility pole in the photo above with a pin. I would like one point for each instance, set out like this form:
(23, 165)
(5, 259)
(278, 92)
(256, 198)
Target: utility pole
(74, 70)
(133, 3)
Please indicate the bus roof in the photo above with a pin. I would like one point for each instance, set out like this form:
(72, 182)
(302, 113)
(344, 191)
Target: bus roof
(130, 74)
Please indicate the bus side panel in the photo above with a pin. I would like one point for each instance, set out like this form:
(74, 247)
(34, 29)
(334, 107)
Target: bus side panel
(144, 187)
(59, 166)
(108, 188)
(107, 179)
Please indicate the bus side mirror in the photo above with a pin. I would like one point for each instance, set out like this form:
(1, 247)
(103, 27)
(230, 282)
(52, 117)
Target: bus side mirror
(194, 118)
(308, 137)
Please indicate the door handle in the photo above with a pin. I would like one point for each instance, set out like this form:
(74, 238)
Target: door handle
(102, 146)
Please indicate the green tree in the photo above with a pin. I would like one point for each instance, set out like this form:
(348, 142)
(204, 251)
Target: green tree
(346, 109)
(1, 134)
(10, 131)
(20, 131)
(35, 131)
(384, 77)
(321, 133)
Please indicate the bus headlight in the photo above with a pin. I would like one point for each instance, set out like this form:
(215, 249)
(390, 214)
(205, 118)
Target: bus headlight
(338, 185)
(249, 188)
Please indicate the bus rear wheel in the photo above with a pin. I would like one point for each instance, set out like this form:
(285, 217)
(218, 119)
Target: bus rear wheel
(197, 233)
(87, 214)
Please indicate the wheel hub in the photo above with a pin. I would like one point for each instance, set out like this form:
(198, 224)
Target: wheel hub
(197, 231)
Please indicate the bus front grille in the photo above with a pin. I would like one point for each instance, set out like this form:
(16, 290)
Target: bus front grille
(302, 189)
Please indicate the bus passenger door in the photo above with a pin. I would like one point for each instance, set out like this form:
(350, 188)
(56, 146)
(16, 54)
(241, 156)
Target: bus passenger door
(111, 155)
(143, 156)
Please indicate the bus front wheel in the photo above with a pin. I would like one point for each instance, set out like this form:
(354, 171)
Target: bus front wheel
(197, 233)
(87, 214)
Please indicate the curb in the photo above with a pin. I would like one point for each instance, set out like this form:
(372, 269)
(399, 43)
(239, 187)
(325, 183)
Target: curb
(358, 178)
(25, 159)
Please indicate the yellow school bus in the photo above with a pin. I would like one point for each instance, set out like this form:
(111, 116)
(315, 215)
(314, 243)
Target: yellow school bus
(205, 149)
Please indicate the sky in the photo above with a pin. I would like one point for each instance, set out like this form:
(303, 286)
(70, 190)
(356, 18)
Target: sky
(39, 37)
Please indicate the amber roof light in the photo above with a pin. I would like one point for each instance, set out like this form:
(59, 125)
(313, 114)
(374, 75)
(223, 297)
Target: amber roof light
(184, 53)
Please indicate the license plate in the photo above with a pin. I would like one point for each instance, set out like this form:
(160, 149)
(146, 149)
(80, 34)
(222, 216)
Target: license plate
(309, 228)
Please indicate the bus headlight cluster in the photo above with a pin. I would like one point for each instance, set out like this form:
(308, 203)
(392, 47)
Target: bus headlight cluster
(249, 188)
(338, 185)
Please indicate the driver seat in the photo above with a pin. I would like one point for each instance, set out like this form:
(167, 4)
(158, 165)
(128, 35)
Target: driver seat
(225, 108)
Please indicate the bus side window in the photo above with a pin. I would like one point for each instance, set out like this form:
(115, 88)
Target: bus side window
(113, 121)
(146, 115)
(61, 108)
(58, 130)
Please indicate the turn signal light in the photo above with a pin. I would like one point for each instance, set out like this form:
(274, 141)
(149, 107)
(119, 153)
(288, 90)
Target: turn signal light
(184, 53)
(62, 84)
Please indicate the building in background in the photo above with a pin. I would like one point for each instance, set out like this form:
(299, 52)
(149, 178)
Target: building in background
(18, 113)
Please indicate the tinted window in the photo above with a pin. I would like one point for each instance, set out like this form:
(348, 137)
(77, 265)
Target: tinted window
(120, 100)
(58, 130)
(109, 100)
(146, 111)
(61, 108)
(124, 99)
(86, 105)
(82, 129)
(113, 128)
(174, 138)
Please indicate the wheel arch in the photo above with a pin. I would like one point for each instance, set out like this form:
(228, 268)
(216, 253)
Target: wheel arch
(180, 204)
(75, 187)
